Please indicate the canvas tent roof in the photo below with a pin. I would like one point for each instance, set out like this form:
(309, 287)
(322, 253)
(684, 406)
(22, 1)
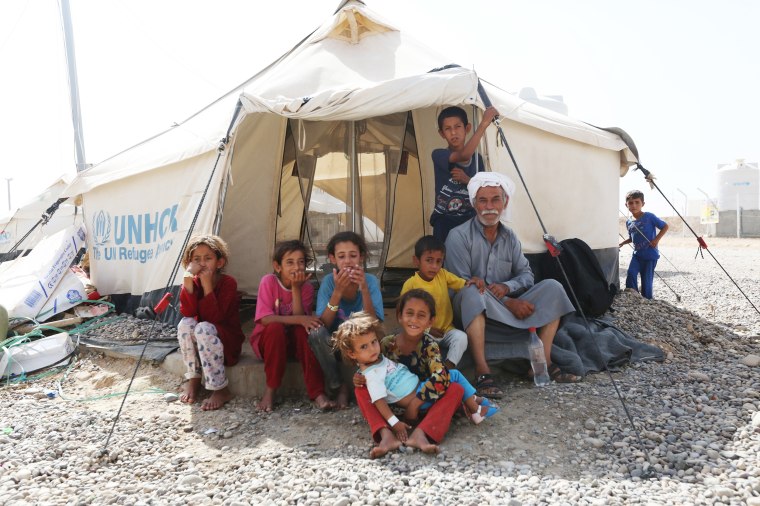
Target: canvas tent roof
(19, 222)
(353, 67)
(324, 69)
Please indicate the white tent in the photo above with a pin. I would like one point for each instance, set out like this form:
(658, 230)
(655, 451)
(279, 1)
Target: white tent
(351, 112)
(19, 223)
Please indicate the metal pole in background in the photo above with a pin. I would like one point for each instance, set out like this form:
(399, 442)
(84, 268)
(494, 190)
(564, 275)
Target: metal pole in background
(71, 65)
(8, 182)
(738, 218)
(685, 205)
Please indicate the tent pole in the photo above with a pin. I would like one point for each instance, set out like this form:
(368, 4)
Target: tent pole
(353, 177)
(71, 66)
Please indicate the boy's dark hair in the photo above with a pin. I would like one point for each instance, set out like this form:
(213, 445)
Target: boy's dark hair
(286, 247)
(417, 293)
(428, 243)
(452, 112)
(348, 236)
(634, 194)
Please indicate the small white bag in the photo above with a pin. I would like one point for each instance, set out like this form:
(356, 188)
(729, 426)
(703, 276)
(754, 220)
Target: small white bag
(36, 355)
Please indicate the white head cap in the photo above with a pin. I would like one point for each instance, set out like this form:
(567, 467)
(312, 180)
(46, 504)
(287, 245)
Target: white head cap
(482, 179)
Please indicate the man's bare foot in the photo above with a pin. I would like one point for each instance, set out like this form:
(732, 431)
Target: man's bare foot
(218, 399)
(266, 404)
(191, 390)
(323, 403)
(388, 443)
(418, 439)
(341, 400)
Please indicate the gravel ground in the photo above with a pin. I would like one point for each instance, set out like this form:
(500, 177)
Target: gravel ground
(697, 415)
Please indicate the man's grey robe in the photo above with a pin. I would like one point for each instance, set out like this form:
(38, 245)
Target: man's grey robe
(468, 254)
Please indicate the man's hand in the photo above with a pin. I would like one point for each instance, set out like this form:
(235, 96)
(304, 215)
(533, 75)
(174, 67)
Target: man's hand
(499, 290)
(400, 430)
(459, 175)
(477, 282)
(359, 380)
(520, 308)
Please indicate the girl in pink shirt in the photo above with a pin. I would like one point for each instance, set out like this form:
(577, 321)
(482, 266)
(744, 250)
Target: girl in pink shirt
(283, 322)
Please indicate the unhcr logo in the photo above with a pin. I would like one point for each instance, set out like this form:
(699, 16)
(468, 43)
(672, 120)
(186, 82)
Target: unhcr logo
(139, 237)
(101, 226)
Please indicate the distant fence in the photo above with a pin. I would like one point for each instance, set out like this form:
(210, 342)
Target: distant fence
(745, 223)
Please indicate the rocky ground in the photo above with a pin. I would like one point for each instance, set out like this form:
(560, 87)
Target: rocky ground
(697, 418)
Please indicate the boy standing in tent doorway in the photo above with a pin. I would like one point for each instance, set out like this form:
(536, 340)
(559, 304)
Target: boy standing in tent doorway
(642, 232)
(453, 168)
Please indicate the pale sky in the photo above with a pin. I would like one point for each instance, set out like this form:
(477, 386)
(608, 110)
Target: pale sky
(681, 77)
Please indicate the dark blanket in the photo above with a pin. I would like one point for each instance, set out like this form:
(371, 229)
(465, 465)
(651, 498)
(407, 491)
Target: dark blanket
(607, 347)
(577, 352)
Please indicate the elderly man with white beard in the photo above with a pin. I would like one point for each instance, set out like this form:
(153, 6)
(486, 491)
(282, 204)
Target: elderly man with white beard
(497, 321)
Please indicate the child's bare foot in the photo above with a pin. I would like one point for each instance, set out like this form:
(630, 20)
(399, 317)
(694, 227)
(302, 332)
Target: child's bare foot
(418, 439)
(218, 399)
(191, 390)
(388, 443)
(341, 401)
(266, 404)
(323, 403)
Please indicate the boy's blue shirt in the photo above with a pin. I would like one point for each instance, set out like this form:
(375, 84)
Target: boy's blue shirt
(452, 198)
(647, 224)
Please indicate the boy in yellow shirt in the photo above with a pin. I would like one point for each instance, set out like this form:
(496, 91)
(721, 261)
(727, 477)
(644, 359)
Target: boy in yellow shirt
(429, 254)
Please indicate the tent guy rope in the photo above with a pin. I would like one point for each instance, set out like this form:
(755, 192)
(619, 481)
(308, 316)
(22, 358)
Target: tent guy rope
(702, 245)
(555, 250)
(166, 299)
(42, 221)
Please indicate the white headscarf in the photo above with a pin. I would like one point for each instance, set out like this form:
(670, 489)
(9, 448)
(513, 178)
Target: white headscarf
(482, 179)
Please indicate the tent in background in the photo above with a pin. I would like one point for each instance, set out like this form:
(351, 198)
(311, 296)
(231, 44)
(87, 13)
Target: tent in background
(349, 113)
(19, 222)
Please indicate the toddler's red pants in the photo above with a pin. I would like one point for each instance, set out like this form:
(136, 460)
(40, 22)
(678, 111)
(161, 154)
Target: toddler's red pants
(434, 425)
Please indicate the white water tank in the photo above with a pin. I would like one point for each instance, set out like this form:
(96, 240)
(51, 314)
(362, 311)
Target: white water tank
(738, 184)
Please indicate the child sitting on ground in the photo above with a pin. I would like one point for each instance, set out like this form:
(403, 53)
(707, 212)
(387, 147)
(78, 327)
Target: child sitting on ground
(209, 335)
(421, 355)
(642, 232)
(454, 166)
(431, 277)
(416, 312)
(348, 289)
(283, 321)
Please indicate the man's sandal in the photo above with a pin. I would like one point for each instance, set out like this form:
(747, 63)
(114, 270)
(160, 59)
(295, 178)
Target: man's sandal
(556, 374)
(486, 387)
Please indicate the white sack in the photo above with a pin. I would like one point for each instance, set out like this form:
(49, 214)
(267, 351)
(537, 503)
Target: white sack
(27, 283)
(69, 293)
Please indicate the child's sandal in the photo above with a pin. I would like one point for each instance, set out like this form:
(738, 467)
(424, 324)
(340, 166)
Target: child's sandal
(477, 418)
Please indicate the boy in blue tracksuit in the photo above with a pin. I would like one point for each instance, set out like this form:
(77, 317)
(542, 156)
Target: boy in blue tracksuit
(643, 233)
